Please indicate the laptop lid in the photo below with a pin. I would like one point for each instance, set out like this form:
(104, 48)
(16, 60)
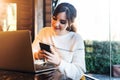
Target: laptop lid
(16, 51)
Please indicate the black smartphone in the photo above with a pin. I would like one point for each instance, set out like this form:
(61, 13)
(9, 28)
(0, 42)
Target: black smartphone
(44, 46)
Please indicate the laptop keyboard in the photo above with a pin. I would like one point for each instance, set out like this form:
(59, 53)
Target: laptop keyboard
(40, 65)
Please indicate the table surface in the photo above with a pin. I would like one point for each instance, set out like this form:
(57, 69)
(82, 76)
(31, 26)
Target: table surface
(13, 75)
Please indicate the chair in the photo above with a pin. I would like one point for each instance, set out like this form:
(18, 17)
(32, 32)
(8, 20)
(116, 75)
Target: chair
(87, 77)
(83, 78)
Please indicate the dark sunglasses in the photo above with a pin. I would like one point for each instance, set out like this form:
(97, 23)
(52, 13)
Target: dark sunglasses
(61, 21)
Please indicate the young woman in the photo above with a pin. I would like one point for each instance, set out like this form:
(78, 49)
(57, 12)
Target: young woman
(66, 45)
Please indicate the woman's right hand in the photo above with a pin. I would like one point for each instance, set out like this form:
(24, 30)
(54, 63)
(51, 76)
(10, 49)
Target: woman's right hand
(39, 55)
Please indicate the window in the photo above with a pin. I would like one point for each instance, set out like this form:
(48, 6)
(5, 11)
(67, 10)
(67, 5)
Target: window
(98, 23)
(8, 20)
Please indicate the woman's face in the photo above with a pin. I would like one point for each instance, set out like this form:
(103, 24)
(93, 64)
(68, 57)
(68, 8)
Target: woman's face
(60, 23)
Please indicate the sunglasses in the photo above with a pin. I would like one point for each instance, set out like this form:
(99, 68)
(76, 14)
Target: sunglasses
(61, 21)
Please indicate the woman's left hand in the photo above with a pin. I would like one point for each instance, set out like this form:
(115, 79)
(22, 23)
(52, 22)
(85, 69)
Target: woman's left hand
(53, 57)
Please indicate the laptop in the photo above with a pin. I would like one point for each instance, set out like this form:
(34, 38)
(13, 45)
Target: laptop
(16, 53)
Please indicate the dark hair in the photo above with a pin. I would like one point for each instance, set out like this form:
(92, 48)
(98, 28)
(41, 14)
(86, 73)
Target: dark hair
(70, 13)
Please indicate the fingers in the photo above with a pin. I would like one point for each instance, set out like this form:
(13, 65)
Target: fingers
(35, 56)
(47, 53)
(39, 55)
(52, 58)
(49, 56)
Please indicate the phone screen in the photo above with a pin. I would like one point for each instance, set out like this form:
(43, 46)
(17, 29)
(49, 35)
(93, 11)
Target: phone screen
(44, 46)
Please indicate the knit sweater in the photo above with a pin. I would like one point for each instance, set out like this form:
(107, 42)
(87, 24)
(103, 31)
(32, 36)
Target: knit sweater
(70, 48)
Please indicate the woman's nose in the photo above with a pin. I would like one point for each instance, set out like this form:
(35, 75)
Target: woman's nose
(57, 24)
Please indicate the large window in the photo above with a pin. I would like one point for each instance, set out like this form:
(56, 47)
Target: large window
(98, 23)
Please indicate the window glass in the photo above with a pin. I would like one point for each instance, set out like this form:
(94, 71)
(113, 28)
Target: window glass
(98, 23)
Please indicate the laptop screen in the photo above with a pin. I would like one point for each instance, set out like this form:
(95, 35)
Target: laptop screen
(16, 51)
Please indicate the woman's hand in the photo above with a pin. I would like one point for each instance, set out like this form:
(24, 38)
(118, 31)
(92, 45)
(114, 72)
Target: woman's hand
(39, 55)
(53, 57)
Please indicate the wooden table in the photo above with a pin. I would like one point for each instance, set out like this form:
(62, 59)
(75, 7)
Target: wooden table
(12, 75)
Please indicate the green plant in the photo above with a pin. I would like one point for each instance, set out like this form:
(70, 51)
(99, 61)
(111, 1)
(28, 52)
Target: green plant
(98, 56)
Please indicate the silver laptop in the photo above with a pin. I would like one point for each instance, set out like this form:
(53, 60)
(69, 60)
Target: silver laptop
(16, 53)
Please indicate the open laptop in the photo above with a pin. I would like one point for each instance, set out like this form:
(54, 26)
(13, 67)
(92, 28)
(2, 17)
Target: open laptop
(16, 53)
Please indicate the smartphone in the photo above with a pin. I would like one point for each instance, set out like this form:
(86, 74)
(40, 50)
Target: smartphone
(44, 46)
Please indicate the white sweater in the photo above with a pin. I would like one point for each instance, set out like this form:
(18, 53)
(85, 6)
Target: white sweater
(69, 46)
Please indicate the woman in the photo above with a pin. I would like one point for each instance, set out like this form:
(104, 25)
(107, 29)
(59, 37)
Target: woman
(66, 45)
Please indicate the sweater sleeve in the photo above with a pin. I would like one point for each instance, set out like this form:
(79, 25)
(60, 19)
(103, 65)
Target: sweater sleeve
(35, 44)
(38, 38)
(76, 68)
(43, 36)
